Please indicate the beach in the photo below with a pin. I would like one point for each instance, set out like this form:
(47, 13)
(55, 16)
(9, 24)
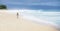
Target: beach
(10, 22)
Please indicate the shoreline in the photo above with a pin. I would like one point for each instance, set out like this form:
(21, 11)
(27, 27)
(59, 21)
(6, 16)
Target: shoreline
(11, 23)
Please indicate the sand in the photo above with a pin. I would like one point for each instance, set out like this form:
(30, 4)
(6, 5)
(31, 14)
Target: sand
(9, 22)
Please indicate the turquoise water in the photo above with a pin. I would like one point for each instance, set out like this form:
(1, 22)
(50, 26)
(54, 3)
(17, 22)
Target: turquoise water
(47, 16)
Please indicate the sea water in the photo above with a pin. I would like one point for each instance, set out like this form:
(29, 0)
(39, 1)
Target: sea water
(53, 17)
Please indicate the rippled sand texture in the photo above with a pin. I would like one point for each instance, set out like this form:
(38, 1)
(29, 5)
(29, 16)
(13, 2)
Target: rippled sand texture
(9, 22)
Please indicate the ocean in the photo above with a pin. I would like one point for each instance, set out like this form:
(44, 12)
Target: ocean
(50, 16)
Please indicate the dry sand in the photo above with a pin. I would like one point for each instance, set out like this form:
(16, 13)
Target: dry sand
(9, 22)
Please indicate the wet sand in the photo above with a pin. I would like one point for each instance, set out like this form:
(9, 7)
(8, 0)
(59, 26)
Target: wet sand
(9, 22)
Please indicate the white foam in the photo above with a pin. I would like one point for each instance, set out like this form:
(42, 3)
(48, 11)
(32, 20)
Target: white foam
(37, 20)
